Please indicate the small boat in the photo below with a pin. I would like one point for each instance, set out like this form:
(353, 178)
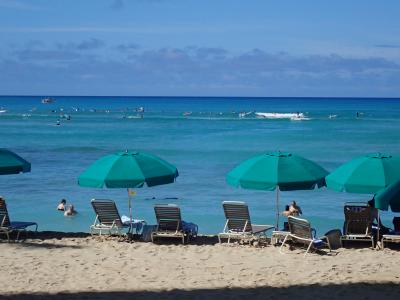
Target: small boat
(187, 113)
(274, 115)
(332, 116)
(2, 110)
(48, 100)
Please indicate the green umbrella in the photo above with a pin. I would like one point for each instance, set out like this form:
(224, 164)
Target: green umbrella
(365, 174)
(11, 163)
(129, 169)
(389, 196)
(277, 170)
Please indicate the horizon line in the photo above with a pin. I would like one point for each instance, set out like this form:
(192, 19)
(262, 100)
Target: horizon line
(215, 97)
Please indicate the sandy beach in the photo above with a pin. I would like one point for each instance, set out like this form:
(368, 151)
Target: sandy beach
(85, 267)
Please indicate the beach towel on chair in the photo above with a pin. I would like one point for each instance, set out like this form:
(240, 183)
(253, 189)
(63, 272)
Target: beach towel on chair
(190, 228)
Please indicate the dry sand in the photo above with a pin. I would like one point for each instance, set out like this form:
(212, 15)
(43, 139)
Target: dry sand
(93, 268)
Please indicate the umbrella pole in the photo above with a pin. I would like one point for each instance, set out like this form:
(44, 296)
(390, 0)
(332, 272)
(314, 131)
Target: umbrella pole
(277, 208)
(379, 227)
(130, 210)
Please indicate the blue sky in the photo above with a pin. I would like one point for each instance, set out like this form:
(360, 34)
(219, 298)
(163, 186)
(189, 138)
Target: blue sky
(200, 48)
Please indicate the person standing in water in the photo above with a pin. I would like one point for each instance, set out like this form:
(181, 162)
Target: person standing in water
(70, 211)
(62, 204)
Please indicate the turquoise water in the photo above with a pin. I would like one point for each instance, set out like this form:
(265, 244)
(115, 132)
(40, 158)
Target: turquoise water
(204, 146)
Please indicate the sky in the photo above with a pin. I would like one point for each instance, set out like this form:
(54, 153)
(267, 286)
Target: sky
(258, 48)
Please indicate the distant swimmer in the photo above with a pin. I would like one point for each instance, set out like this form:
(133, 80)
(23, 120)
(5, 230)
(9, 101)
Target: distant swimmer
(58, 123)
(70, 211)
(62, 204)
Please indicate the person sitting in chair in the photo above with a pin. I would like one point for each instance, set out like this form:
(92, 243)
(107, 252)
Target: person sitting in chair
(375, 217)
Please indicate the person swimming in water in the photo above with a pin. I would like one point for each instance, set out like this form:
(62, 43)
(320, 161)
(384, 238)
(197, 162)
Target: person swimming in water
(62, 204)
(70, 211)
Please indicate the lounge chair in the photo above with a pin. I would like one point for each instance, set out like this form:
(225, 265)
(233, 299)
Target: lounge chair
(300, 231)
(170, 224)
(238, 224)
(358, 223)
(278, 236)
(393, 237)
(7, 226)
(390, 238)
(108, 218)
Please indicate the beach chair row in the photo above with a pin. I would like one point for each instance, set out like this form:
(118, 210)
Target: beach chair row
(358, 225)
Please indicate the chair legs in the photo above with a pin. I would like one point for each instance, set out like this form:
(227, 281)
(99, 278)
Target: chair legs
(283, 243)
(225, 235)
(308, 248)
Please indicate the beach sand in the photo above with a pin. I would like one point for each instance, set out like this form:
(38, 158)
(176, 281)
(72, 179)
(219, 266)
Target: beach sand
(83, 267)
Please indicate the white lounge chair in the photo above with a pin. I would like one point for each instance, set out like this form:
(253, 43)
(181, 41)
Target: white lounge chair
(7, 226)
(238, 224)
(393, 237)
(358, 223)
(300, 231)
(390, 238)
(170, 224)
(109, 220)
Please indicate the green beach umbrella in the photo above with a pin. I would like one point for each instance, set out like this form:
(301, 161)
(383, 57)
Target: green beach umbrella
(278, 171)
(11, 163)
(366, 174)
(129, 169)
(389, 196)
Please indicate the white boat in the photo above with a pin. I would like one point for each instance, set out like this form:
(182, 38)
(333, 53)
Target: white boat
(280, 115)
(47, 100)
(2, 111)
(187, 113)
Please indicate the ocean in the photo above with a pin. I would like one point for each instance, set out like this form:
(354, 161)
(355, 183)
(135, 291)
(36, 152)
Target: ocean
(204, 137)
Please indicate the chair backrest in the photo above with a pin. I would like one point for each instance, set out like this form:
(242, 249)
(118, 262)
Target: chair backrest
(300, 227)
(237, 216)
(168, 217)
(107, 212)
(358, 218)
(4, 217)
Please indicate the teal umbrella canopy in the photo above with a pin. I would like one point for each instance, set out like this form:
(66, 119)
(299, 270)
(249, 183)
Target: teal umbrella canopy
(389, 196)
(277, 169)
(365, 174)
(129, 169)
(11, 163)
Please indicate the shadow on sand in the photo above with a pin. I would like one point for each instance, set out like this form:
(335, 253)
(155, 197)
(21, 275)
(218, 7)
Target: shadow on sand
(353, 291)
